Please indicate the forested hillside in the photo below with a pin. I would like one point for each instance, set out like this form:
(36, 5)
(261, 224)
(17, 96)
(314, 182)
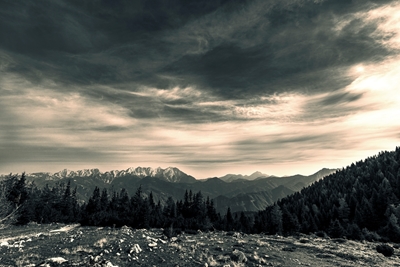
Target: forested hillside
(360, 201)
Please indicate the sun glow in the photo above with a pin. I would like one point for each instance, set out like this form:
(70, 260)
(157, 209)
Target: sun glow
(360, 69)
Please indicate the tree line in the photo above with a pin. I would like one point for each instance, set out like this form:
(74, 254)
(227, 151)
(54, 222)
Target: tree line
(26, 203)
(359, 202)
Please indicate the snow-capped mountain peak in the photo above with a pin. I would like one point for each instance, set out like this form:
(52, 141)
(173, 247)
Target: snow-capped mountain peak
(170, 174)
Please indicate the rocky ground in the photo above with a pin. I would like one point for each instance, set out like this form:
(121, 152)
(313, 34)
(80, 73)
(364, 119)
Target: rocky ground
(72, 245)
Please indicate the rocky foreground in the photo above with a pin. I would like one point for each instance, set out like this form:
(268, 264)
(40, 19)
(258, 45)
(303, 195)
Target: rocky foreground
(72, 245)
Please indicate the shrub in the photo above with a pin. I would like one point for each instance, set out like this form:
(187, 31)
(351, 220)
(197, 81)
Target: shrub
(191, 232)
(321, 234)
(230, 233)
(370, 236)
(385, 249)
(171, 231)
(339, 240)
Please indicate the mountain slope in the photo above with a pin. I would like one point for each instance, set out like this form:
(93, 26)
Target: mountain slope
(251, 201)
(360, 201)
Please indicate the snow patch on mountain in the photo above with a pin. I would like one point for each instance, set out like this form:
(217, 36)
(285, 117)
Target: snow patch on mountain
(170, 174)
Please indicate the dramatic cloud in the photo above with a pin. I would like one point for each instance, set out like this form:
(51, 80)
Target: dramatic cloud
(208, 86)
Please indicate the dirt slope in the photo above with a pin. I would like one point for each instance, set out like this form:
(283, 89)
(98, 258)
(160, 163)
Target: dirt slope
(72, 245)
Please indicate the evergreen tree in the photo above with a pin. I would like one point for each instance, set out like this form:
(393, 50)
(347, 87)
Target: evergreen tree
(228, 220)
(336, 230)
(244, 223)
(276, 220)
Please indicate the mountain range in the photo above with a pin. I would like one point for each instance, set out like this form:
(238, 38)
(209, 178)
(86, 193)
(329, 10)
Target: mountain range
(170, 174)
(239, 192)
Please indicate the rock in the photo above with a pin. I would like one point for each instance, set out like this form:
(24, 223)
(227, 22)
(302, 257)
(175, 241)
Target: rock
(109, 264)
(174, 239)
(56, 261)
(237, 235)
(258, 259)
(152, 245)
(97, 258)
(151, 239)
(126, 230)
(238, 256)
(4, 244)
(136, 249)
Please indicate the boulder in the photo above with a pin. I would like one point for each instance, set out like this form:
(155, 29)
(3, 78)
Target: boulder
(238, 256)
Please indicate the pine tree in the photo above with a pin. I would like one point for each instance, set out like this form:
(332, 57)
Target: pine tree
(228, 219)
(276, 220)
(392, 229)
(244, 223)
(290, 223)
(336, 230)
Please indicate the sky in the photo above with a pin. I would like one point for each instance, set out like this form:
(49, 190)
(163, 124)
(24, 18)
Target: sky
(211, 87)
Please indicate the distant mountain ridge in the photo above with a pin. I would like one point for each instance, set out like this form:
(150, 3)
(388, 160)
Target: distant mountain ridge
(170, 174)
(233, 177)
(239, 192)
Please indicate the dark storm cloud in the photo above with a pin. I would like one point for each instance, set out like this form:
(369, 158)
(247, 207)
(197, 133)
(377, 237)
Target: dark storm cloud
(36, 28)
(83, 41)
(274, 46)
(300, 52)
(109, 51)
